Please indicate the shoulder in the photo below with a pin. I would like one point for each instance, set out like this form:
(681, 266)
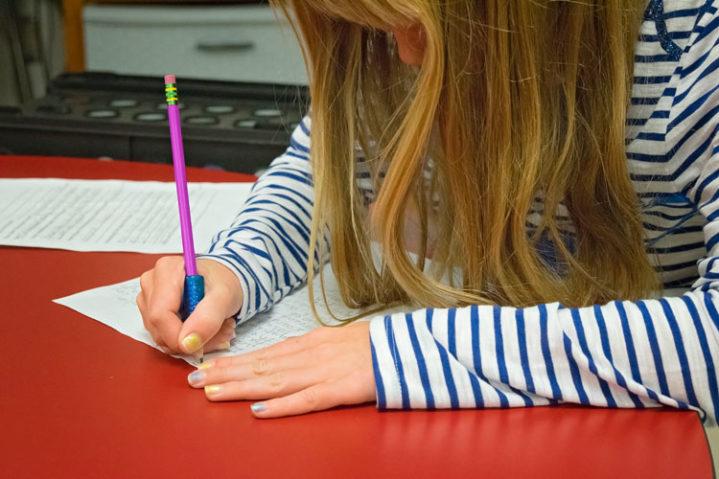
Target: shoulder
(672, 119)
(670, 29)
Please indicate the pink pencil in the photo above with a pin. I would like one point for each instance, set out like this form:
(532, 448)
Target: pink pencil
(194, 283)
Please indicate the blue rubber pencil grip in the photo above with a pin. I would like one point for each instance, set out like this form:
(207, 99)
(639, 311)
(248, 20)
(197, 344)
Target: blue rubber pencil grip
(193, 293)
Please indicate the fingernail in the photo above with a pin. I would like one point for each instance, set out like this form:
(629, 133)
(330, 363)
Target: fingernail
(206, 365)
(212, 390)
(196, 377)
(225, 345)
(258, 407)
(192, 342)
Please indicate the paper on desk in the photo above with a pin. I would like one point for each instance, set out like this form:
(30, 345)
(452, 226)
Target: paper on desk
(115, 306)
(112, 215)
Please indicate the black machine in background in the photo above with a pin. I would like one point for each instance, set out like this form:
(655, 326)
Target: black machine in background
(235, 126)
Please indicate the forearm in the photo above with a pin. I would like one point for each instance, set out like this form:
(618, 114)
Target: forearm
(268, 243)
(623, 354)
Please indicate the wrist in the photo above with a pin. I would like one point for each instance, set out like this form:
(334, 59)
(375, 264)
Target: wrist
(223, 275)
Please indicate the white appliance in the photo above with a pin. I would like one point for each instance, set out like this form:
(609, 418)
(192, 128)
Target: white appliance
(236, 42)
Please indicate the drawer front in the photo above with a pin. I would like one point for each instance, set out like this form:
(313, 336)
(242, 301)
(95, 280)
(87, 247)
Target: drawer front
(257, 51)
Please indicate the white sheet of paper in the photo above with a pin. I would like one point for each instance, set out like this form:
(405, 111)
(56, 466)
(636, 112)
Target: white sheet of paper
(114, 306)
(112, 215)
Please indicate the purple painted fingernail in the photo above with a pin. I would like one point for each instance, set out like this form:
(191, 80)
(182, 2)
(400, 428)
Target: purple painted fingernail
(196, 377)
(258, 407)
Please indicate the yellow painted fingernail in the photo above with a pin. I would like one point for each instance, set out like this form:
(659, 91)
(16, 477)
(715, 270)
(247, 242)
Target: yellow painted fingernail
(192, 342)
(225, 345)
(213, 389)
(206, 365)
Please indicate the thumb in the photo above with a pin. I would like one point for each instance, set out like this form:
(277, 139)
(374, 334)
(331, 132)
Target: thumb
(204, 323)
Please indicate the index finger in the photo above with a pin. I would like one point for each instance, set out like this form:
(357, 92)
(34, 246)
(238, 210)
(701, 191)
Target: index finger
(166, 327)
(162, 301)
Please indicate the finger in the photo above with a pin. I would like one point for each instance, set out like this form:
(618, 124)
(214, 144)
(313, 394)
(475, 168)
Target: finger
(290, 345)
(163, 347)
(162, 326)
(229, 327)
(165, 329)
(163, 285)
(314, 398)
(142, 306)
(266, 387)
(211, 373)
(140, 302)
(146, 281)
(158, 302)
(222, 340)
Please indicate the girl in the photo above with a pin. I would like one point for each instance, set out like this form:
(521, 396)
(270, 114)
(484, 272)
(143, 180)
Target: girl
(558, 173)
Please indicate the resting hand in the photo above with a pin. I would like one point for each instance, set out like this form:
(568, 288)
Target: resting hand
(210, 327)
(325, 368)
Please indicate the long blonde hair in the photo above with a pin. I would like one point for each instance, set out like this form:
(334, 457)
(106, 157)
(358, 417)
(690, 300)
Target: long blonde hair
(518, 103)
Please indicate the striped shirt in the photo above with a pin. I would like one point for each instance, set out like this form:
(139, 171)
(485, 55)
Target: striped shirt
(660, 351)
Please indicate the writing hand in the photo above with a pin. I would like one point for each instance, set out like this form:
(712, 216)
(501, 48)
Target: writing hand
(210, 326)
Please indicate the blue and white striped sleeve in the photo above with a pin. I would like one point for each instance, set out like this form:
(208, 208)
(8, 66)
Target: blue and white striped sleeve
(622, 354)
(267, 244)
(655, 352)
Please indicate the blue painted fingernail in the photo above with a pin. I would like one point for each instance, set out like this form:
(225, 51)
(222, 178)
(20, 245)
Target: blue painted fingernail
(196, 377)
(258, 407)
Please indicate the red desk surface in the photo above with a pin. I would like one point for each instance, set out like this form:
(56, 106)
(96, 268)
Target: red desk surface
(77, 399)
